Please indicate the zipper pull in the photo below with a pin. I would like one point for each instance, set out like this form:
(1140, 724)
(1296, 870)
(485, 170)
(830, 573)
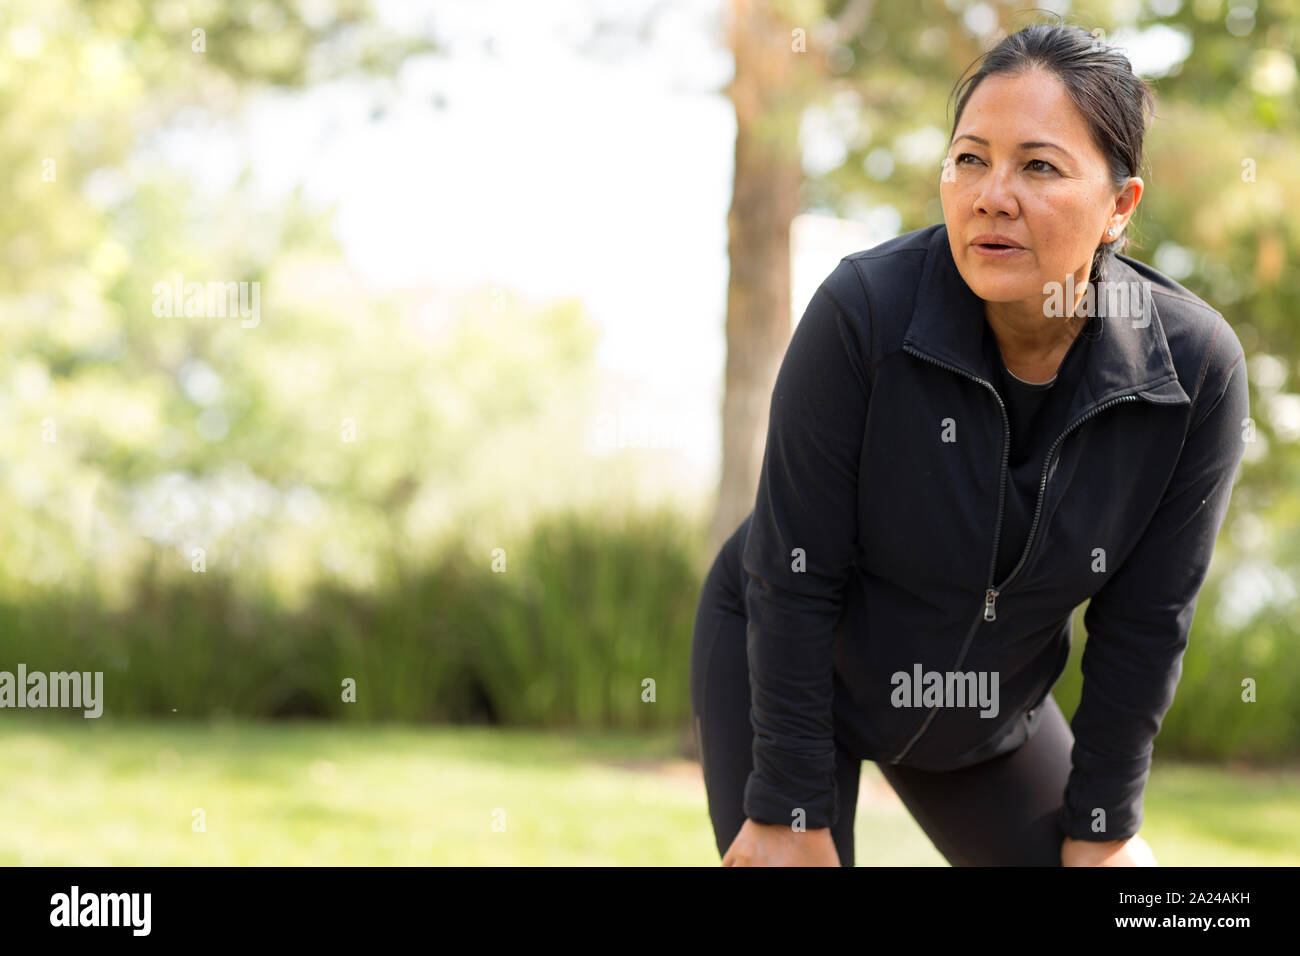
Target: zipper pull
(990, 598)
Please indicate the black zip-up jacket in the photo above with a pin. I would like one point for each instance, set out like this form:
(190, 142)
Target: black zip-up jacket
(880, 512)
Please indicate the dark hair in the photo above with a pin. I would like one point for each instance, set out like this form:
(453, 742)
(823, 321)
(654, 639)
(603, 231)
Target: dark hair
(1101, 83)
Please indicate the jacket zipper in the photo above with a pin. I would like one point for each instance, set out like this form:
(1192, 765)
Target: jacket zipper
(989, 610)
(990, 591)
(991, 595)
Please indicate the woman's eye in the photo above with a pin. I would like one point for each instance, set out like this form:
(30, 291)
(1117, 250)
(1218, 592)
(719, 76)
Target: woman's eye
(958, 161)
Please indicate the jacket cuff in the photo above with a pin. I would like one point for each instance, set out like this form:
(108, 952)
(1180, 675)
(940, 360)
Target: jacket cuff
(765, 803)
(1102, 806)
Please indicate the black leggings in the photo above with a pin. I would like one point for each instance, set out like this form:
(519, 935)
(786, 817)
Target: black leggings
(998, 813)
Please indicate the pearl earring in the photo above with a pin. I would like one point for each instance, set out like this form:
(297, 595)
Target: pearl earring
(1110, 232)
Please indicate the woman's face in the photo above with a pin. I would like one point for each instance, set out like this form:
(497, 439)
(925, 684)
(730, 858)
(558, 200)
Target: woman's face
(1054, 198)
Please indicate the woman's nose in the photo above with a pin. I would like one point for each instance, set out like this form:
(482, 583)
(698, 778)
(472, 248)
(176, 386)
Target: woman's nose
(994, 194)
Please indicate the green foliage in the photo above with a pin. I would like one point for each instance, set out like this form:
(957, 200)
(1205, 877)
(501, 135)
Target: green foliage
(590, 614)
(95, 411)
(563, 636)
(584, 610)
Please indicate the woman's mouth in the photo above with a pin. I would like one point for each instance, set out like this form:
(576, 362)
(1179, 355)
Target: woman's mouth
(996, 250)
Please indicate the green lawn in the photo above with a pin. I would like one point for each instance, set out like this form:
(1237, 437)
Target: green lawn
(89, 792)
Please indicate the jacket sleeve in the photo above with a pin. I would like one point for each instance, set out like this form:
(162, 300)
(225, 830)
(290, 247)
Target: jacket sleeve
(1139, 622)
(799, 554)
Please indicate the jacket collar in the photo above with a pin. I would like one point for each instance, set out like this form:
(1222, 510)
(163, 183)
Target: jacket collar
(948, 325)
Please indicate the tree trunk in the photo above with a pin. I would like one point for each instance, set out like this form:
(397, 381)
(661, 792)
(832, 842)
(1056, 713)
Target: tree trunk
(765, 200)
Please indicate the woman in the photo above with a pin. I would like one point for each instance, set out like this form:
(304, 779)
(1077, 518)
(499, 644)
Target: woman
(976, 428)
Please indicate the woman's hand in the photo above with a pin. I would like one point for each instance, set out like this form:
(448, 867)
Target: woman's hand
(1131, 852)
(775, 844)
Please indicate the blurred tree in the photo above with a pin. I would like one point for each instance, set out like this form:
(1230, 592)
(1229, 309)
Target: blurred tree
(101, 393)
